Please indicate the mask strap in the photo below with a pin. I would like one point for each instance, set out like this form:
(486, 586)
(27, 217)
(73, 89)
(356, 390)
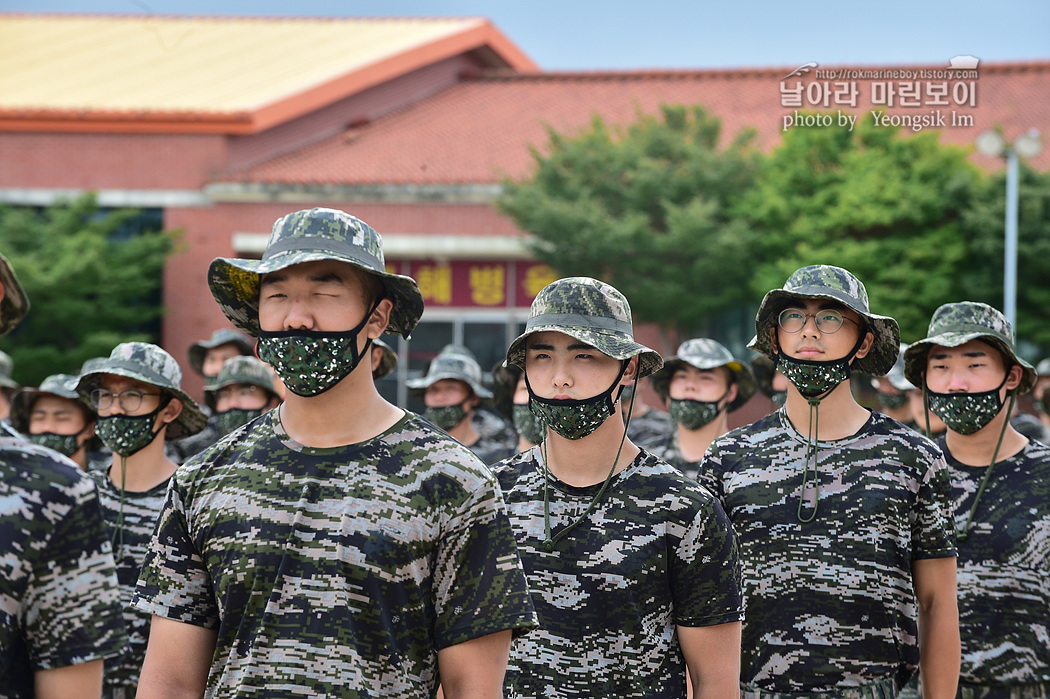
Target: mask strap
(961, 534)
(811, 452)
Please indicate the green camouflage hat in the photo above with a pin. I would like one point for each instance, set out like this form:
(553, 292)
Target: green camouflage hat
(704, 353)
(15, 304)
(61, 385)
(150, 364)
(453, 362)
(833, 284)
(590, 311)
(237, 370)
(955, 324)
(309, 236)
(7, 367)
(222, 336)
(388, 362)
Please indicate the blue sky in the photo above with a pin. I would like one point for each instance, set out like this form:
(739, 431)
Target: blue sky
(617, 34)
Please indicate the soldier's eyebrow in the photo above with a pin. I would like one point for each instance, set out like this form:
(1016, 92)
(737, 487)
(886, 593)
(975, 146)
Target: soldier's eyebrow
(549, 347)
(971, 354)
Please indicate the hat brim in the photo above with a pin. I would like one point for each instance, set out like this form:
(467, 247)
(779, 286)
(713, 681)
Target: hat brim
(609, 343)
(421, 384)
(744, 379)
(879, 359)
(191, 418)
(234, 284)
(916, 354)
(15, 304)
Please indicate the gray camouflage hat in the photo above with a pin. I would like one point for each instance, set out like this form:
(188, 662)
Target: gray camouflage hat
(955, 324)
(704, 353)
(237, 370)
(387, 363)
(61, 385)
(896, 375)
(15, 304)
(7, 367)
(223, 336)
(590, 311)
(453, 362)
(309, 236)
(834, 284)
(150, 364)
(1043, 367)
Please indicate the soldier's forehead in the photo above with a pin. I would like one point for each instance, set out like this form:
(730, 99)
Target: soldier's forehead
(114, 381)
(554, 338)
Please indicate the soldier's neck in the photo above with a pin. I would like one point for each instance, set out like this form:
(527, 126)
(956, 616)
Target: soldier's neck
(838, 414)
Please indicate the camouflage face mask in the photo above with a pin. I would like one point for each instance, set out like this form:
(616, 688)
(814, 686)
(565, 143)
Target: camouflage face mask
(528, 426)
(229, 420)
(575, 419)
(310, 362)
(65, 444)
(446, 416)
(893, 401)
(694, 414)
(128, 434)
(779, 398)
(813, 379)
(966, 413)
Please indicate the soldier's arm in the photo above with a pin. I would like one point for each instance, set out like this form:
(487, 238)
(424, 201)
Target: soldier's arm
(934, 580)
(177, 660)
(712, 656)
(475, 669)
(82, 681)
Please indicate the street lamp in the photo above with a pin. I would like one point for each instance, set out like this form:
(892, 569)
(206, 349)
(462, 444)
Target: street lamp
(1027, 145)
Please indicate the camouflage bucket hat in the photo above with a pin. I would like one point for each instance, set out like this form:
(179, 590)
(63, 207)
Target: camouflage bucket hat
(704, 353)
(1043, 367)
(387, 363)
(222, 336)
(7, 367)
(896, 375)
(15, 304)
(309, 236)
(149, 364)
(834, 284)
(590, 311)
(237, 370)
(955, 324)
(61, 385)
(453, 362)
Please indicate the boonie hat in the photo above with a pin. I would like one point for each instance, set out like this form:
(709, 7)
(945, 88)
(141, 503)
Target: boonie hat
(223, 336)
(7, 367)
(387, 362)
(896, 375)
(833, 284)
(955, 324)
(61, 385)
(309, 236)
(237, 370)
(150, 364)
(1043, 367)
(15, 304)
(453, 362)
(704, 353)
(590, 311)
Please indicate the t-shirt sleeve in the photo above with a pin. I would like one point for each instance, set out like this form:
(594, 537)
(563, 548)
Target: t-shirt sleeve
(478, 577)
(174, 582)
(705, 570)
(932, 525)
(72, 605)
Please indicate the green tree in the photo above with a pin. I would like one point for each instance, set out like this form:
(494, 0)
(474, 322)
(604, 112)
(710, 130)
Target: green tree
(647, 208)
(983, 224)
(88, 289)
(885, 206)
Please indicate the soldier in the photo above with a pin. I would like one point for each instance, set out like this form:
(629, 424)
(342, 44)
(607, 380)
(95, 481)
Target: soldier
(842, 514)
(633, 567)
(243, 390)
(892, 393)
(141, 405)
(384, 359)
(768, 380)
(8, 387)
(59, 606)
(645, 424)
(703, 384)
(1042, 391)
(337, 546)
(511, 397)
(968, 367)
(452, 393)
(53, 416)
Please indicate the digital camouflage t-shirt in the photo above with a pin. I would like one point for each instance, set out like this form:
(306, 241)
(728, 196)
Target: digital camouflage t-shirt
(59, 604)
(830, 603)
(667, 448)
(1004, 568)
(140, 513)
(338, 571)
(656, 552)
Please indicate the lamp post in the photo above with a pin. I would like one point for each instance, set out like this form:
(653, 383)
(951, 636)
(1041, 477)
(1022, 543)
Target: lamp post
(1027, 145)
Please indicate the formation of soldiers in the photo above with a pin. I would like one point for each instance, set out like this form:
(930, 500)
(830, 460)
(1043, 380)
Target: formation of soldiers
(547, 535)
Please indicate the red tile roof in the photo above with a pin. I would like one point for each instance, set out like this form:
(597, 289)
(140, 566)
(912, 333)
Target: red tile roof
(482, 128)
